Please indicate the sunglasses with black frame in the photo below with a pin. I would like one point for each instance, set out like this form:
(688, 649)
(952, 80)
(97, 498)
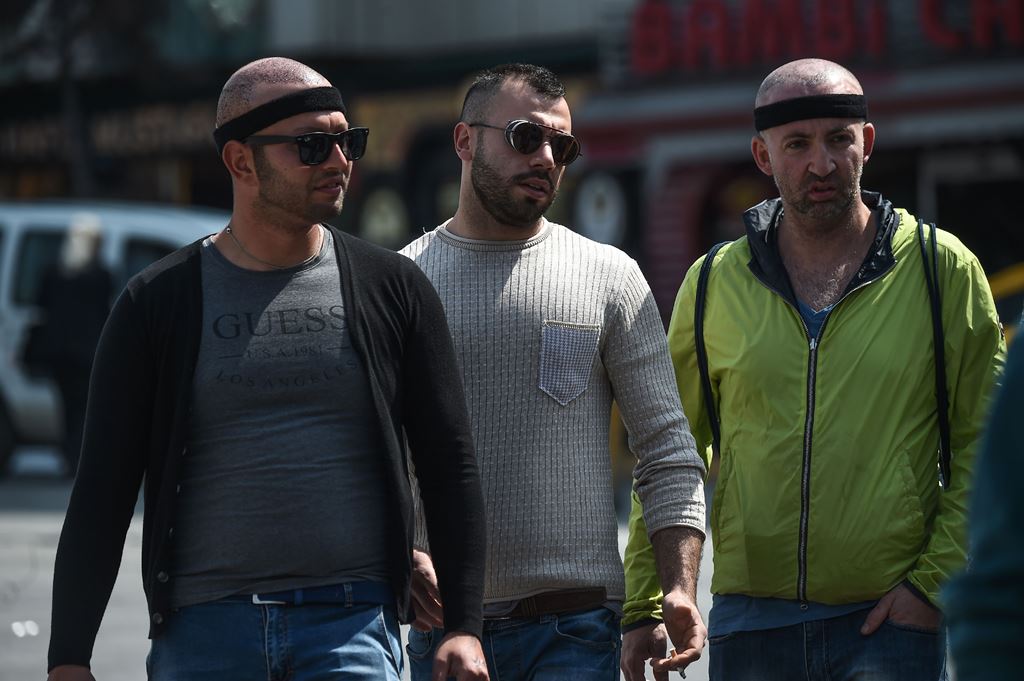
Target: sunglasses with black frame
(316, 147)
(527, 136)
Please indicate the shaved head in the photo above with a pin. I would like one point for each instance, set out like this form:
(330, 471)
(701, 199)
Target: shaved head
(806, 77)
(260, 81)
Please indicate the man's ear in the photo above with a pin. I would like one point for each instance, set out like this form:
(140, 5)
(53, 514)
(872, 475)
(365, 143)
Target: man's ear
(869, 140)
(238, 159)
(759, 150)
(463, 138)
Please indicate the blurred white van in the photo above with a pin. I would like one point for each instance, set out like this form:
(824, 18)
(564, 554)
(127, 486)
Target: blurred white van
(31, 234)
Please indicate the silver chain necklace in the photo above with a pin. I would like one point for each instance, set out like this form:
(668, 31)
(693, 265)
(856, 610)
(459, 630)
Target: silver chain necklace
(242, 248)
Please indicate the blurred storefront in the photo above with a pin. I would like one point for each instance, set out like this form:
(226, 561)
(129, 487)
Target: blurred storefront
(115, 99)
(667, 138)
(158, 151)
(142, 127)
(661, 91)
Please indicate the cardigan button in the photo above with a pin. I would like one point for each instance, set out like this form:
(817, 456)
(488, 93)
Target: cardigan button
(162, 577)
(157, 618)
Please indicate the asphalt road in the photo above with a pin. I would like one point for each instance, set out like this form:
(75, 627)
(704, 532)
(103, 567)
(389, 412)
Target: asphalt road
(32, 505)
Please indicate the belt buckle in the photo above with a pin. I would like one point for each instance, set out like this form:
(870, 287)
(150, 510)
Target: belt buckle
(256, 600)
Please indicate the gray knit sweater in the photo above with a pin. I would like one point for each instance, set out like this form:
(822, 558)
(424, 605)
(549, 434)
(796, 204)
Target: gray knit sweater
(548, 331)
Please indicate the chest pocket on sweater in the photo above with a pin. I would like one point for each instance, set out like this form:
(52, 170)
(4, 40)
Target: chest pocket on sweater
(567, 353)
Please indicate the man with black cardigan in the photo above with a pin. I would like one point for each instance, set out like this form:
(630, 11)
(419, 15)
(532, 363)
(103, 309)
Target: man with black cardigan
(264, 383)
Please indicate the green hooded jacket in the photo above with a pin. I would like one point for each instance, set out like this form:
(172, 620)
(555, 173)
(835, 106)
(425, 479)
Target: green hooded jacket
(828, 487)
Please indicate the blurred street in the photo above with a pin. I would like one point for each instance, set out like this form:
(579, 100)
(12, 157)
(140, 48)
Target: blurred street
(32, 503)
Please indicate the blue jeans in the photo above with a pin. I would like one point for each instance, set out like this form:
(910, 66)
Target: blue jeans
(829, 650)
(235, 639)
(578, 646)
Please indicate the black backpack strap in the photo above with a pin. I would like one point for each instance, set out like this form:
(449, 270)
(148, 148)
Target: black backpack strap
(931, 275)
(702, 353)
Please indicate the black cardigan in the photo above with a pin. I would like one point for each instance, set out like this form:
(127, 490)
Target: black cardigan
(137, 427)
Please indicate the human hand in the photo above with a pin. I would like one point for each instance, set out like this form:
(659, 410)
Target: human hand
(686, 629)
(459, 656)
(70, 672)
(426, 599)
(639, 645)
(902, 607)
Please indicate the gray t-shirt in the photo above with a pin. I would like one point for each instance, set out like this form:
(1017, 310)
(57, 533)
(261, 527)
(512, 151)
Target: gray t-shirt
(283, 484)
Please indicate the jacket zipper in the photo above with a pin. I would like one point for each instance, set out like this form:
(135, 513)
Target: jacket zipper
(805, 479)
(805, 485)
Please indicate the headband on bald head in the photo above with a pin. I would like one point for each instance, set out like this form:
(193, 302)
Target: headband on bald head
(303, 101)
(815, 106)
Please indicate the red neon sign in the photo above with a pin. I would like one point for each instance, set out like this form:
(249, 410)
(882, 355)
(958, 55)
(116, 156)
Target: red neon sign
(668, 36)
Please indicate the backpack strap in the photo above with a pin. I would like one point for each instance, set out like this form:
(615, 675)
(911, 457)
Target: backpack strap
(931, 275)
(702, 353)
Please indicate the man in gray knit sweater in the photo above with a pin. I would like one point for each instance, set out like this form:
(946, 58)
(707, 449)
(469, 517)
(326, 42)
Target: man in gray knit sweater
(549, 328)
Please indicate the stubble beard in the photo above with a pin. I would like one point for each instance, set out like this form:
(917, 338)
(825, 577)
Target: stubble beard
(494, 193)
(824, 212)
(275, 192)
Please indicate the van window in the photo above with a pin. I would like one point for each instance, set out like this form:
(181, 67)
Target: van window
(38, 251)
(138, 253)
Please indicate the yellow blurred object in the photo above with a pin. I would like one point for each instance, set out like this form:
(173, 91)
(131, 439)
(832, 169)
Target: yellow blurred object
(1008, 286)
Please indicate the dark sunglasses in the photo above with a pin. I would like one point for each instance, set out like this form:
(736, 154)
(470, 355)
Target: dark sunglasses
(527, 136)
(315, 147)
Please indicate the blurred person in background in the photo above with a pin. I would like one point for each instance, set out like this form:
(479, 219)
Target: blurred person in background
(549, 327)
(261, 382)
(984, 604)
(74, 297)
(832, 535)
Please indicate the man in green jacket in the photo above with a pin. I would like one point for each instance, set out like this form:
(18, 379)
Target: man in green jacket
(832, 533)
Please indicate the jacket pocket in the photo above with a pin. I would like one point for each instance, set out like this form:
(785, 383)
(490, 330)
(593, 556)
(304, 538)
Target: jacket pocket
(567, 353)
(908, 520)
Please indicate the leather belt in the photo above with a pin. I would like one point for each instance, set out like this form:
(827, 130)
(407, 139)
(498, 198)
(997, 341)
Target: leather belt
(556, 602)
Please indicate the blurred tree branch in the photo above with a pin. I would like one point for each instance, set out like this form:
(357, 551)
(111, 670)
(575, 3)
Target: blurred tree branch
(68, 38)
(112, 29)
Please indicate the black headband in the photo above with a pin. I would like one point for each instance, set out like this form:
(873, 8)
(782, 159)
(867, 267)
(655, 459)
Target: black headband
(815, 106)
(314, 99)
